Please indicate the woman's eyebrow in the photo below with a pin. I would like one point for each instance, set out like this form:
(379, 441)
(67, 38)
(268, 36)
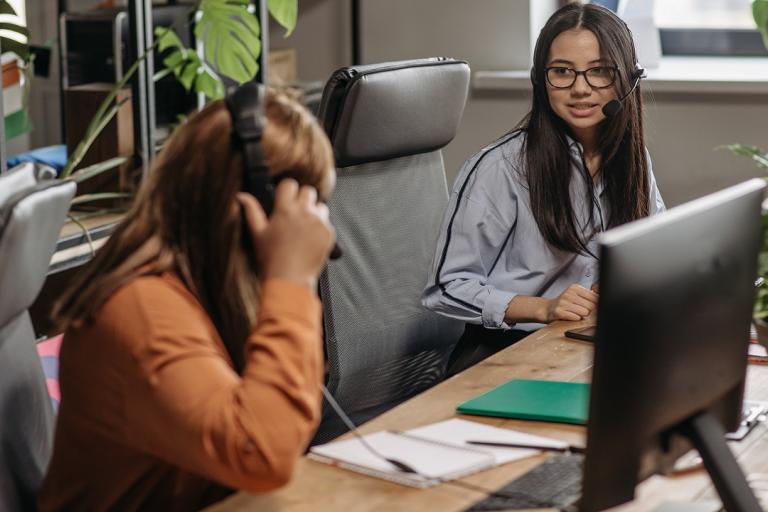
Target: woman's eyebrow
(569, 63)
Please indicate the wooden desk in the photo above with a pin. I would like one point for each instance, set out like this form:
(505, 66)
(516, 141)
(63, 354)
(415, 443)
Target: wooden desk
(546, 354)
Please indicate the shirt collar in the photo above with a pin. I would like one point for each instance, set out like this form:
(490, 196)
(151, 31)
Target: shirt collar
(573, 144)
(577, 150)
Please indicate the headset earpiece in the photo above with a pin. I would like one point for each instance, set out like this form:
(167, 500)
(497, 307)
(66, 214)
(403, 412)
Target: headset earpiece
(638, 72)
(246, 106)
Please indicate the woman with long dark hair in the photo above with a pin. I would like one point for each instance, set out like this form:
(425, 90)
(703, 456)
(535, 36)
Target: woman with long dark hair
(517, 247)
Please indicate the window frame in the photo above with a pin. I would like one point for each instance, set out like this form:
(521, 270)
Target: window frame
(709, 42)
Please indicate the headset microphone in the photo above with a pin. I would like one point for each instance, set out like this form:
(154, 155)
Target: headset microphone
(612, 108)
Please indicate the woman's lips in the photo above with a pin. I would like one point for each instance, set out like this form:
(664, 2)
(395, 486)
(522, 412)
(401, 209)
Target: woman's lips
(583, 109)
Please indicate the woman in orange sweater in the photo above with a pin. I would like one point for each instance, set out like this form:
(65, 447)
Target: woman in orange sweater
(192, 366)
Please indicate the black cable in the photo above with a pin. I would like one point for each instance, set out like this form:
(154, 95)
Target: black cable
(402, 466)
(406, 468)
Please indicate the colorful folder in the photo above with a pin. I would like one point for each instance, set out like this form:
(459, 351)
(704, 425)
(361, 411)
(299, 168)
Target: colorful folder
(540, 400)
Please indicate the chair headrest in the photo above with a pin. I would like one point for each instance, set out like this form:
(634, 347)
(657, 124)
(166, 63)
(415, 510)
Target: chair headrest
(31, 216)
(383, 111)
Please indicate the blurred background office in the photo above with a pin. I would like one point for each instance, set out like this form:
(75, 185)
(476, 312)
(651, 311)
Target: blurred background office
(694, 104)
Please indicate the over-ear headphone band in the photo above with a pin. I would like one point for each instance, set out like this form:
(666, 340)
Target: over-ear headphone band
(246, 106)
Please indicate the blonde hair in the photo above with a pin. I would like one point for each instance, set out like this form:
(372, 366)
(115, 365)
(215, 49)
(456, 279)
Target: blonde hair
(186, 218)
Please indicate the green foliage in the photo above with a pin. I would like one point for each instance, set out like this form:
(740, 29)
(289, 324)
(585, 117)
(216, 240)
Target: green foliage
(96, 169)
(761, 303)
(761, 159)
(760, 14)
(186, 66)
(752, 152)
(230, 34)
(285, 13)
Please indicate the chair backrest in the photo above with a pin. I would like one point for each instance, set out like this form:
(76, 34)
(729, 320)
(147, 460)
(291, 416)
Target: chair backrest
(387, 124)
(31, 216)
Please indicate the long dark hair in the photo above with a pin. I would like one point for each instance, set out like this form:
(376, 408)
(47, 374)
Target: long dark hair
(623, 167)
(186, 219)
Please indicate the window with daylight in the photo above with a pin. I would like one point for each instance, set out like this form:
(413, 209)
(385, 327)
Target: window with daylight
(708, 27)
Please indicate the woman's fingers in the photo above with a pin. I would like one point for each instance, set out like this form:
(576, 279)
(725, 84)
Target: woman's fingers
(583, 293)
(254, 213)
(286, 193)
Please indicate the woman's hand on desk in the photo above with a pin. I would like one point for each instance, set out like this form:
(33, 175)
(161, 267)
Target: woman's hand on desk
(294, 243)
(575, 303)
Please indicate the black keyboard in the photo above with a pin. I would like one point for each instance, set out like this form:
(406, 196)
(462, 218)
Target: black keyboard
(555, 483)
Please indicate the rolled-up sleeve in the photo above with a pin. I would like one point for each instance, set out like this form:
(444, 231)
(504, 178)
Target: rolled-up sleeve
(477, 225)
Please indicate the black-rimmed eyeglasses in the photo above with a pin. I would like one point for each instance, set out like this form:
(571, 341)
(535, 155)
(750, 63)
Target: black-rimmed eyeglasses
(599, 77)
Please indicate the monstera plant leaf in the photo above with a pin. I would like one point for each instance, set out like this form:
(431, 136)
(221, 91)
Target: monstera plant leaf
(286, 13)
(230, 33)
(187, 66)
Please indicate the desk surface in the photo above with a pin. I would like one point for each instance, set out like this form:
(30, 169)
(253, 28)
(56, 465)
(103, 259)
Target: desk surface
(546, 354)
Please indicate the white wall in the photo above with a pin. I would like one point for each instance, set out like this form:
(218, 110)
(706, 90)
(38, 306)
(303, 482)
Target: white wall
(684, 131)
(490, 34)
(321, 38)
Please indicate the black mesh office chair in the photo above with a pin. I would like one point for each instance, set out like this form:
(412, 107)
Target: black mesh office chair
(387, 123)
(31, 215)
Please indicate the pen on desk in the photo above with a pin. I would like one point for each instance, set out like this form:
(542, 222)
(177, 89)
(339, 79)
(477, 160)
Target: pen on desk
(573, 449)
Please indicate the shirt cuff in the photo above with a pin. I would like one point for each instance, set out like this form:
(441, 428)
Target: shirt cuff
(495, 308)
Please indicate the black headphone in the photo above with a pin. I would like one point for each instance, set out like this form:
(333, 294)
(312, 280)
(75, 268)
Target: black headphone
(246, 106)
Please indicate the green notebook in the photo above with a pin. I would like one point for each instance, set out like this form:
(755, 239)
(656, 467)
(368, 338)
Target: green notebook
(542, 400)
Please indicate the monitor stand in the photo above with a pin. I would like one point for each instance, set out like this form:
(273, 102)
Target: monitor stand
(708, 436)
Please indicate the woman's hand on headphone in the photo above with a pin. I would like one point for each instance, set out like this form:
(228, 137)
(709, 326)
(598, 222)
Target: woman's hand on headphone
(295, 241)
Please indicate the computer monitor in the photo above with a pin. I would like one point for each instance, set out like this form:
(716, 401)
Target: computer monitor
(676, 297)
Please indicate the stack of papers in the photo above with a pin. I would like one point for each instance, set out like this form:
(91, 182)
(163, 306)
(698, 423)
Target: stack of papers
(437, 452)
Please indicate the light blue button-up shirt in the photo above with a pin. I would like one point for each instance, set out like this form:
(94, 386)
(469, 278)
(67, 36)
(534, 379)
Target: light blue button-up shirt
(490, 248)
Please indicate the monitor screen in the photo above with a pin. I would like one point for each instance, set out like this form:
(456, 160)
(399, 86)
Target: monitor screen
(676, 297)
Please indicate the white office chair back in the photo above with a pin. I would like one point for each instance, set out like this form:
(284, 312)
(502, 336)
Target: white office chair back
(31, 216)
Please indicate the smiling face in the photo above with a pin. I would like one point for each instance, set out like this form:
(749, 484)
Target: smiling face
(580, 105)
